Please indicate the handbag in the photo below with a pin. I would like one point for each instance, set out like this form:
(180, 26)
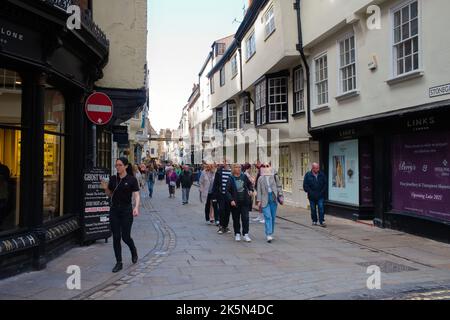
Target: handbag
(280, 199)
(172, 183)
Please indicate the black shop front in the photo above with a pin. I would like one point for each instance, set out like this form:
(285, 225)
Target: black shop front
(392, 168)
(46, 73)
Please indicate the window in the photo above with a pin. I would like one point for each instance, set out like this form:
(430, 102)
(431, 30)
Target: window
(232, 116)
(304, 164)
(278, 99)
(321, 79)
(211, 84)
(104, 155)
(269, 22)
(299, 90)
(406, 39)
(234, 66)
(260, 103)
(220, 49)
(224, 117)
(347, 68)
(10, 148)
(222, 77)
(219, 118)
(285, 170)
(54, 140)
(245, 111)
(250, 45)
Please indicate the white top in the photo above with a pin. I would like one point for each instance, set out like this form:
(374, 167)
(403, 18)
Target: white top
(268, 184)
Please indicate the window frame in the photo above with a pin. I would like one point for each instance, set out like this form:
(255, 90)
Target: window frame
(261, 103)
(341, 68)
(315, 90)
(248, 47)
(222, 76)
(284, 105)
(232, 117)
(301, 89)
(269, 21)
(234, 66)
(394, 57)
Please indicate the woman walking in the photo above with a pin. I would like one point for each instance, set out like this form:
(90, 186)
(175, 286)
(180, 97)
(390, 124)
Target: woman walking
(268, 193)
(206, 195)
(151, 177)
(122, 188)
(171, 180)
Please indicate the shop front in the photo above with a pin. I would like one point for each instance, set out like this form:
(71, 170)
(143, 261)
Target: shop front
(46, 72)
(393, 169)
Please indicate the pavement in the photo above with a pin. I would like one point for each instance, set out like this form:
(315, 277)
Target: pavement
(181, 257)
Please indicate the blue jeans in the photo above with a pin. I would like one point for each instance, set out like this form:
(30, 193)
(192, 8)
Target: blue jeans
(319, 203)
(150, 188)
(270, 213)
(185, 194)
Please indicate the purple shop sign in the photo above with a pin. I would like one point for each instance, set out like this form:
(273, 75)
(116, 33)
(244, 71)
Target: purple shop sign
(421, 174)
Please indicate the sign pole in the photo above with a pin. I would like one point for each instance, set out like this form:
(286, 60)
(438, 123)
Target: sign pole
(94, 145)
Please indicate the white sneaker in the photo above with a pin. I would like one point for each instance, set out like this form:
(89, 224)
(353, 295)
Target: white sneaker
(256, 219)
(247, 238)
(262, 221)
(269, 239)
(237, 237)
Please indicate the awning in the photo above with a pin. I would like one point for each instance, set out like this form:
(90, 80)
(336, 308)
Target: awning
(126, 102)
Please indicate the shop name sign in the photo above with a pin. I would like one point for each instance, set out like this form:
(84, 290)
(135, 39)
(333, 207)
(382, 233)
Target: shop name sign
(421, 123)
(7, 33)
(440, 91)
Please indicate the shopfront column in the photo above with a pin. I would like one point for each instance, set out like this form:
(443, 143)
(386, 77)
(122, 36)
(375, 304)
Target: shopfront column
(32, 161)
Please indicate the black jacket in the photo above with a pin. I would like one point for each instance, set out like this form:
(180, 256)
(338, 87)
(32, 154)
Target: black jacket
(315, 187)
(231, 191)
(217, 186)
(186, 179)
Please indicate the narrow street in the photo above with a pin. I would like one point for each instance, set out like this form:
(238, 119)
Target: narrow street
(183, 258)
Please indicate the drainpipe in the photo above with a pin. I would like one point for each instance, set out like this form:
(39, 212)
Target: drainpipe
(305, 63)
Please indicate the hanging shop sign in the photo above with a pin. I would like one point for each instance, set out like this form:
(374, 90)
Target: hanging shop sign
(20, 41)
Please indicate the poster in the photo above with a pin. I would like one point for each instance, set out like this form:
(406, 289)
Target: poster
(96, 206)
(421, 174)
(343, 173)
(366, 173)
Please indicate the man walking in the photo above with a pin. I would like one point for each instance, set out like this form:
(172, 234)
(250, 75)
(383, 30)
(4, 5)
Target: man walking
(219, 190)
(315, 184)
(239, 191)
(186, 180)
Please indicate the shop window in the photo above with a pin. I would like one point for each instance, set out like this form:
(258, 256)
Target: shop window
(10, 149)
(54, 140)
(304, 164)
(285, 170)
(104, 149)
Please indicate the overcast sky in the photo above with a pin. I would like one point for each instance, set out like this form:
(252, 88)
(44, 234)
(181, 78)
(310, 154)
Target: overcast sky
(180, 34)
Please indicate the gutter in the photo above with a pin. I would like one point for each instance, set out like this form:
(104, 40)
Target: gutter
(305, 63)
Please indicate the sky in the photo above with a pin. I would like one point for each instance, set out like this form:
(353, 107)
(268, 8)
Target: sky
(180, 35)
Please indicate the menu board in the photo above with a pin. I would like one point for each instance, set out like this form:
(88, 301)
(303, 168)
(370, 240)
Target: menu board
(96, 223)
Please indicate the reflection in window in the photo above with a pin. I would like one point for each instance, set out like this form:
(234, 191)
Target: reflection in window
(10, 147)
(54, 109)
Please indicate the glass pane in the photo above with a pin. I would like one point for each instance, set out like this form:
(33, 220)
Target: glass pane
(414, 10)
(414, 27)
(397, 35)
(416, 61)
(405, 31)
(405, 14)
(408, 48)
(408, 64)
(397, 20)
(54, 111)
(400, 66)
(53, 176)
(415, 44)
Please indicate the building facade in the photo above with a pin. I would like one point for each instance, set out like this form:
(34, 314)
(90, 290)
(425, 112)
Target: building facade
(379, 108)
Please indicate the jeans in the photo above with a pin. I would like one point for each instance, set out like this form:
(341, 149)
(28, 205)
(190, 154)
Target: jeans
(121, 222)
(240, 213)
(209, 203)
(319, 203)
(185, 192)
(150, 188)
(270, 213)
(224, 211)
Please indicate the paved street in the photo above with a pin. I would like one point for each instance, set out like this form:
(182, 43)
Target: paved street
(183, 258)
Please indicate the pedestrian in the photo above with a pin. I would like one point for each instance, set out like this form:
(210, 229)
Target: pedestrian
(219, 190)
(138, 176)
(239, 191)
(315, 185)
(260, 216)
(178, 171)
(151, 177)
(268, 192)
(122, 188)
(186, 179)
(206, 184)
(171, 181)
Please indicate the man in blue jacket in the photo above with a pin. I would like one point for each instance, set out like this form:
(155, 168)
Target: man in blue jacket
(315, 185)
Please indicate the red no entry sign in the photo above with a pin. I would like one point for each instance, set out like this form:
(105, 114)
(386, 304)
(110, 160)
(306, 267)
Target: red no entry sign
(99, 108)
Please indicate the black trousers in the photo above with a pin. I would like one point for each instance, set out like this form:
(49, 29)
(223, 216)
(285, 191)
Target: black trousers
(240, 213)
(209, 203)
(121, 223)
(224, 211)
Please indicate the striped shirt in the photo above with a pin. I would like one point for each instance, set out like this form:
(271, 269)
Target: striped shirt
(226, 173)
